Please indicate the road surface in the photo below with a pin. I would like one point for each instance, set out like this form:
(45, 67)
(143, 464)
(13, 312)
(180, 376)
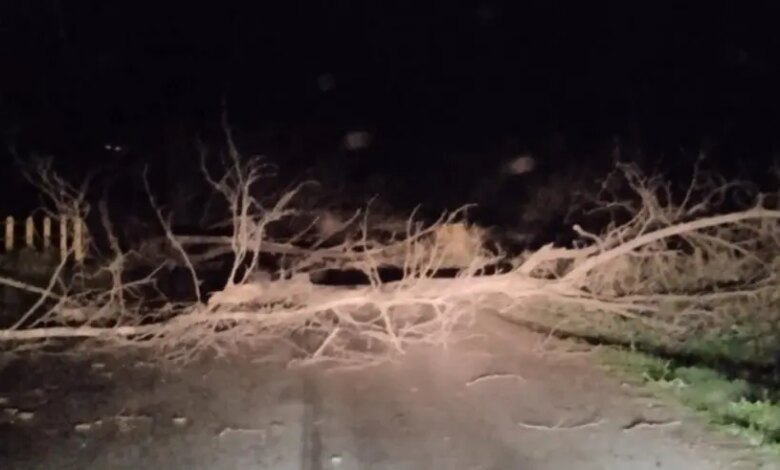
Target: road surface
(500, 400)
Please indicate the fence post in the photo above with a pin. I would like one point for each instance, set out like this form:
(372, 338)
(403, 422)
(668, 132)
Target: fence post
(29, 230)
(63, 237)
(78, 239)
(46, 233)
(9, 234)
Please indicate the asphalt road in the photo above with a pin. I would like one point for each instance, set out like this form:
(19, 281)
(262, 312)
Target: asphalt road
(490, 402)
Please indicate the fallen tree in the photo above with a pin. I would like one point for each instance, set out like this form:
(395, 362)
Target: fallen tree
(669, 266)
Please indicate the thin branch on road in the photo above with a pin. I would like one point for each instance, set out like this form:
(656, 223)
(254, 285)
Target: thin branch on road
(560, 426)
(228, 431)
(491, 376)
(642, 423)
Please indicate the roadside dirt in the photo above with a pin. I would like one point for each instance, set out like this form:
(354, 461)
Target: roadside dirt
(497, 400)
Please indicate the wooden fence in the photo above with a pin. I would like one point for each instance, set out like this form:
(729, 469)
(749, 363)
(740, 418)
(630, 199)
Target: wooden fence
(71, 235)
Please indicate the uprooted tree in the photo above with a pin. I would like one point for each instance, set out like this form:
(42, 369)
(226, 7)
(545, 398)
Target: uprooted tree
(673, 264)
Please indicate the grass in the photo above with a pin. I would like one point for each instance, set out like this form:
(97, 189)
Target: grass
(736, 406)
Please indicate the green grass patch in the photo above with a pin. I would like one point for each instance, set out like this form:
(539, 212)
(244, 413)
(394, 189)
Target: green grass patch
(739, 407)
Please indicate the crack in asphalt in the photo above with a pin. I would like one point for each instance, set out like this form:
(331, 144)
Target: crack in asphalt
(311, 449)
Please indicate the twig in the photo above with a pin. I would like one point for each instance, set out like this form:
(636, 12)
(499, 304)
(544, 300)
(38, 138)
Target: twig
(228, 431)
(494, 376)
(326, 342)
(641, 423)
(42, 299)
(172, 238)
(560, 426)
(47, 293)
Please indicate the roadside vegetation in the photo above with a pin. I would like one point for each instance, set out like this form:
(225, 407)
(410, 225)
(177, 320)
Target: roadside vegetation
(736, 406)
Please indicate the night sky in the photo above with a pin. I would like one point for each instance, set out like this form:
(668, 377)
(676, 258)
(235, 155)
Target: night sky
(431, 80)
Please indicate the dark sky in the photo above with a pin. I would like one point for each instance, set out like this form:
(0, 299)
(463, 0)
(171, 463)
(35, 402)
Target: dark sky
(457, 72)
